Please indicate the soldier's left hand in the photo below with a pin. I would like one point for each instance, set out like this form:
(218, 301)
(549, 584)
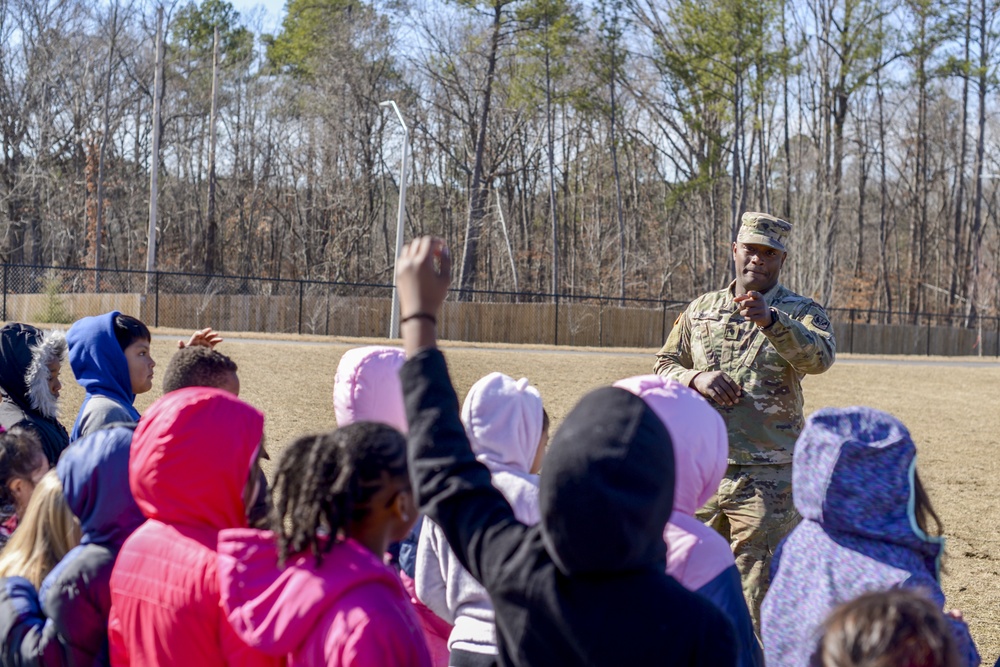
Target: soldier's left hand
(754, 308)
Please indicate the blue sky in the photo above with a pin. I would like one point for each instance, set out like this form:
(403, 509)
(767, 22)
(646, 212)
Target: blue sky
(273, 10)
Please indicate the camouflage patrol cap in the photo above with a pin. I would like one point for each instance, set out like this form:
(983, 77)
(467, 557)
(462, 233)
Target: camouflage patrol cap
(764, 229)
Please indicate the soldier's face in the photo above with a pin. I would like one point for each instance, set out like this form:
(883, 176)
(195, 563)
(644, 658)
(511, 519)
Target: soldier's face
(757, 266)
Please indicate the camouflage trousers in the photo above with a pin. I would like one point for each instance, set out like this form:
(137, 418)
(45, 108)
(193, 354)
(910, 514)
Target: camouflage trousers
(753, 510)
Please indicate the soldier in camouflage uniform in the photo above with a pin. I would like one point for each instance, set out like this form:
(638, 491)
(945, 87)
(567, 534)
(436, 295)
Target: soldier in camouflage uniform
(746, 349)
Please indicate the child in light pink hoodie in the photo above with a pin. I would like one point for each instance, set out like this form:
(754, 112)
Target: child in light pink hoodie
(697, 556)
(367, 388)
(316, 590)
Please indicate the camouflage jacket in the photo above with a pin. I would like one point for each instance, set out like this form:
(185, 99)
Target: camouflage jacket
(711, 335)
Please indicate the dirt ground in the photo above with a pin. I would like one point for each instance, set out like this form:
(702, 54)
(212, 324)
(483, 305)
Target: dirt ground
(951, 410)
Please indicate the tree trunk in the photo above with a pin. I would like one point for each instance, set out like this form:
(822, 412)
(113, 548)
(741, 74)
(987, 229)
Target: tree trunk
(787, 208)
(976, 232)
(552, 176)
(862, 198)
(734, 212)
(883, 234)
(104, 148)
(478, 191)
(956, 270)
(617, 175)
(212, 230)
(918, 220)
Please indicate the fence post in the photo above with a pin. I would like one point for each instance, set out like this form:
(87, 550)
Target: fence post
(327, 309)
(302, 287)
(850, 349)
(156, 300)
(928, 335)
(600, 324)
(6, 275)
(556, 336)
(663, 329)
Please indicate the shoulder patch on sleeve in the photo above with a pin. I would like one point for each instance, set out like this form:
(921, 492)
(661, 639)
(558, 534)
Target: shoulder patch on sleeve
(820, 322)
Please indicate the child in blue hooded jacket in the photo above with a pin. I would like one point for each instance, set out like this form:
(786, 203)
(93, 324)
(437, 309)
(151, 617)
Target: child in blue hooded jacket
(111, 359)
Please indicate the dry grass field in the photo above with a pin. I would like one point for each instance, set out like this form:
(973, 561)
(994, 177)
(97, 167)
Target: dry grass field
(951, 409)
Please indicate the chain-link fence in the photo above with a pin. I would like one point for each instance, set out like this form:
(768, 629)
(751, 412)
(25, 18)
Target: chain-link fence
(274, 305)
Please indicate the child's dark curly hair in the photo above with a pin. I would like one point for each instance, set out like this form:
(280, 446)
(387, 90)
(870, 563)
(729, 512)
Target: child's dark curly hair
(326, 481)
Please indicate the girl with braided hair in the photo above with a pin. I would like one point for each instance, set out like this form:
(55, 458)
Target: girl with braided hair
(315, 590)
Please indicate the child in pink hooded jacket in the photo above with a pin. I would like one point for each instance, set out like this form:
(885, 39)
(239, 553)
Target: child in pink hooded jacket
(367, 388)
(316, 590)
(697, 556)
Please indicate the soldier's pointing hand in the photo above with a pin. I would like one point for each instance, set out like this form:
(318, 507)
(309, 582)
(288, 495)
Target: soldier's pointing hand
(754, 308)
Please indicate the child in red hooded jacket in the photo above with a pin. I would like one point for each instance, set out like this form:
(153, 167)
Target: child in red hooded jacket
(192, 468)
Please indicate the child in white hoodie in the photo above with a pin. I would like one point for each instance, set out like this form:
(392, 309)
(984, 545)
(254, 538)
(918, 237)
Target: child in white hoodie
(507, 428)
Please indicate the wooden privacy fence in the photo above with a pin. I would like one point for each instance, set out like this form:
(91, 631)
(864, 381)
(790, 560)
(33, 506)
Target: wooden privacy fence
(576, 324)
(922, 339)
(365, 317)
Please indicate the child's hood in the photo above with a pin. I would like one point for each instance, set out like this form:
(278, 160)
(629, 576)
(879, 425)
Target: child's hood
(503, 419)
(367, 387)
(608, 487)
(191, 456)
(97, 359)
(696, 554)
(94, 476)
(25, 353)
(853, 473)
(698, 434)
(275, 610)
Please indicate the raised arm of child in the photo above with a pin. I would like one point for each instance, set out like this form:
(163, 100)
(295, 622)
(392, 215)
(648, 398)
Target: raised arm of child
(452, 488)
(202, 337)
(423, 274)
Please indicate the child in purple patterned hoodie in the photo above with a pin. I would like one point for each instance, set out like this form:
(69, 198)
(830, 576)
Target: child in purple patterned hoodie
(865, 527)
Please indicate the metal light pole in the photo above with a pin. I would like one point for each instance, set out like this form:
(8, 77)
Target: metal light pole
(394, 315)
(154, 160)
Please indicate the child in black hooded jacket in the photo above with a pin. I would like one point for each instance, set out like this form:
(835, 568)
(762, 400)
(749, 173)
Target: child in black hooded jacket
(587, 585)
(30, 361)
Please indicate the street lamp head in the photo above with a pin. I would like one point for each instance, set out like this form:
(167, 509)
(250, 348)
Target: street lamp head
(392, 103)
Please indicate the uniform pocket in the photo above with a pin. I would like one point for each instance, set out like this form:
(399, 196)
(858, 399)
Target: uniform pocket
(749, 359)
(706, 335)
